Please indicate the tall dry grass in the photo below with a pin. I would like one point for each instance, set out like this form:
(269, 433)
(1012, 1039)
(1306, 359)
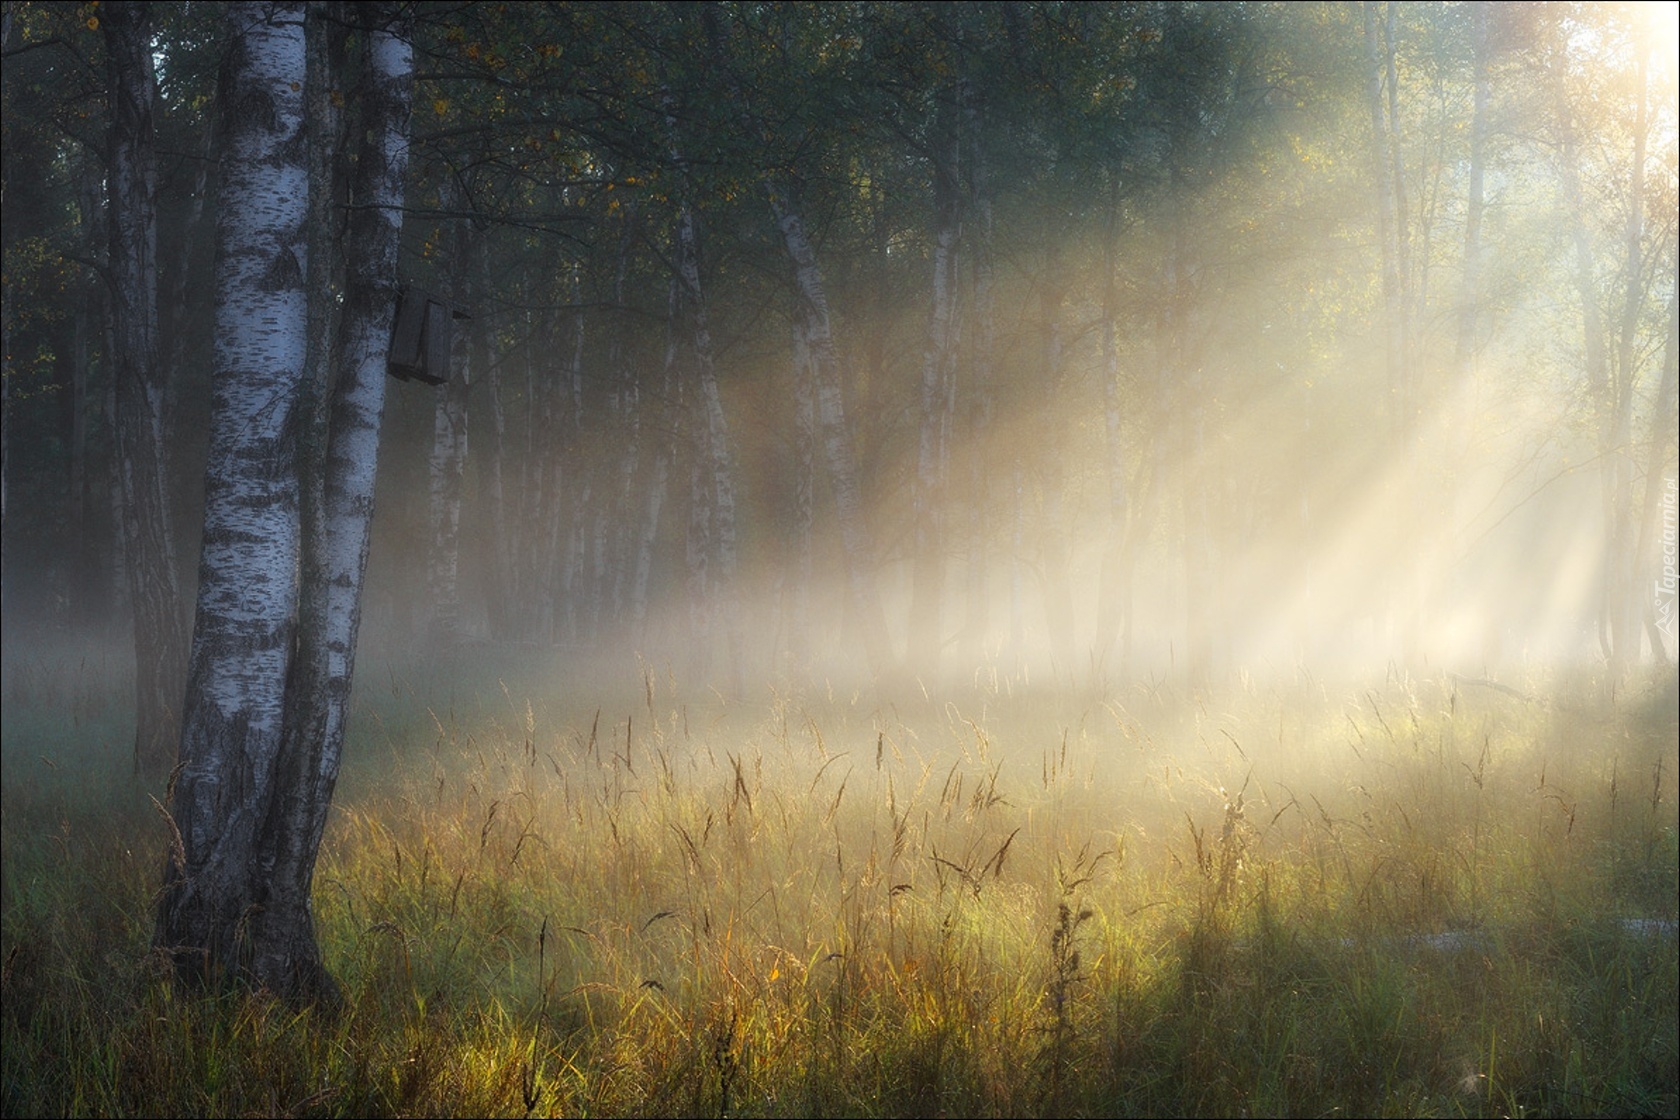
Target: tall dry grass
(1413, 897)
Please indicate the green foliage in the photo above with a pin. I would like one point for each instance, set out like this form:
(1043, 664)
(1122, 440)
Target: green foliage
(1409, 899)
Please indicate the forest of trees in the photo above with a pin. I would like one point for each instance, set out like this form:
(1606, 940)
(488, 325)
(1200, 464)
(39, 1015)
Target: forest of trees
(886, 341)
(893, 344)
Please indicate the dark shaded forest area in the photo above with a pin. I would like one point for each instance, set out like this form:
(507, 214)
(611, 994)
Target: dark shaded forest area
(1087, 341)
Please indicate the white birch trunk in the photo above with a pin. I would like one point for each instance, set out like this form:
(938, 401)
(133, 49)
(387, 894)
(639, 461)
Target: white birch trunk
(838, 456)
(243, 636)
(335, 560)
(713, 465)
(938, 400)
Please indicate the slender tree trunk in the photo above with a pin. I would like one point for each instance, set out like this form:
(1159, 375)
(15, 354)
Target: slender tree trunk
(1595, 360)
(626, 416)
(1114, 594)
(1655, 560)
(1052, 528)
(5, 388)
(797, 581)
(1406, 384)
(1382, 76)
(446, 470)
(978, 410)
(838, 455)
(1386, 219)
(5, 348)
(1621, 561)
(324, 44)
(227, 791)
(178, 315)
(571, 492)
(658, 470)
(93, 318)
(495, 555)
(938, 401)
(1017, 658)
(1200, 591)
(712, 533)
(160, 639)
(528, 530)
(285, 955)
(1470, 293)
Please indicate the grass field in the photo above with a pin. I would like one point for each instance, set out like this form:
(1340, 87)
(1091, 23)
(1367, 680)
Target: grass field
(548, 896)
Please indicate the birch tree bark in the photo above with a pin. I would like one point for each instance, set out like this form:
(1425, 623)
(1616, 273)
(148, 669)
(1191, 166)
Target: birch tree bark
(938, 402)
(160, 638)
(838, 456)
(285, 956)
(714, 480)
(243, 636)
(271, 668)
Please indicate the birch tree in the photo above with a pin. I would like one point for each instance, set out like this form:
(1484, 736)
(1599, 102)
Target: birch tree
(335, 555)
(243, 636)
(839, 455)
(938, 399)
(271, 667)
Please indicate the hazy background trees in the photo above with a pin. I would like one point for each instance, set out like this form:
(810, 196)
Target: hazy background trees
(1084, 341)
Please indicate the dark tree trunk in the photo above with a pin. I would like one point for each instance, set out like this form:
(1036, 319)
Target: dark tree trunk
(160, 639)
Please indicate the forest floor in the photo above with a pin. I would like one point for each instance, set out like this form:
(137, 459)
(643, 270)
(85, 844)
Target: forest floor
(543, 896)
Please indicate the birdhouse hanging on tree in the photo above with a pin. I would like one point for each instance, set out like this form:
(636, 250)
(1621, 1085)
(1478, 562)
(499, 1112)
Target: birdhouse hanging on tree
(422, 333)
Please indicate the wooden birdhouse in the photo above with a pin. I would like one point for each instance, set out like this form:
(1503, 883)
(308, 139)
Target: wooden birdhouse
(422, 334)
